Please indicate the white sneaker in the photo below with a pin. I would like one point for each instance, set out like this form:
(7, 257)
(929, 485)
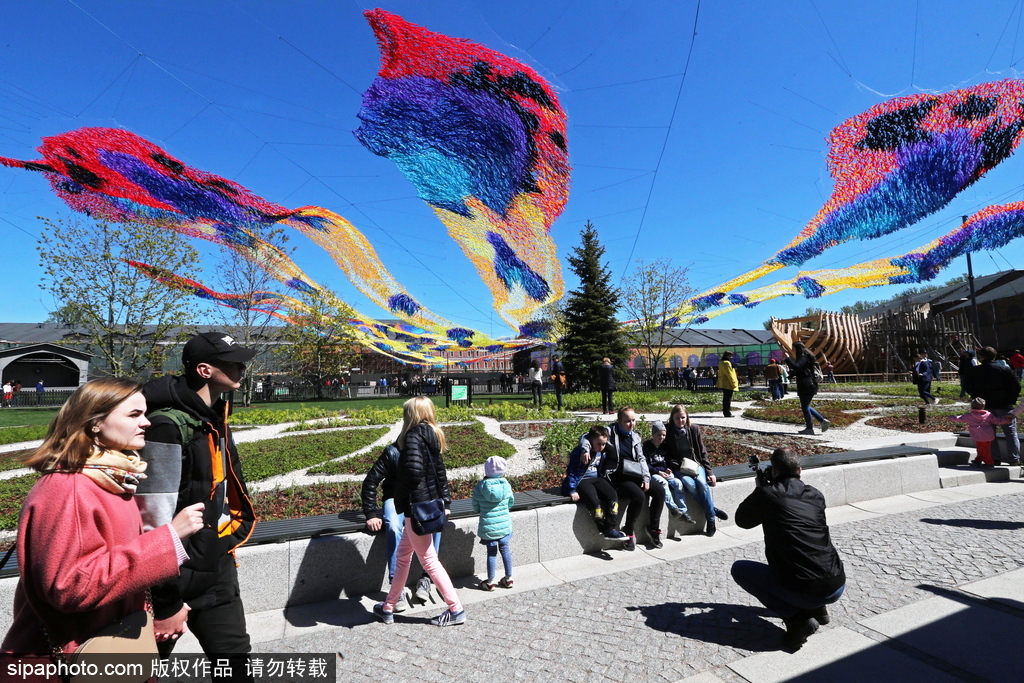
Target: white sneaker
(423, 587)
(403, 600)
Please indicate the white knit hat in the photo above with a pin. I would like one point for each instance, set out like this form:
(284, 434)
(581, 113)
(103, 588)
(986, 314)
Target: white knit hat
(495, 466)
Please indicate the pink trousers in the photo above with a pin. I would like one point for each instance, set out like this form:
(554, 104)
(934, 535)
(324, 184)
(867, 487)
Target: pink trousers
(423, 546)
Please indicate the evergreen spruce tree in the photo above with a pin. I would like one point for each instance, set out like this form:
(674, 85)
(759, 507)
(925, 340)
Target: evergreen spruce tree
(591, 329)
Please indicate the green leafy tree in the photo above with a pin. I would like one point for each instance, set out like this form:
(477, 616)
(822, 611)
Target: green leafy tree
(124, 317)
(650, 296)
(592, 331)
(318, 343)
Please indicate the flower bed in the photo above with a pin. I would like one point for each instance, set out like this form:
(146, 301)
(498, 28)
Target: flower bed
(935, 421)
(788, 412)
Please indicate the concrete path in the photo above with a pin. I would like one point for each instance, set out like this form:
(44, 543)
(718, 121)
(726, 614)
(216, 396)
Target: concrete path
(934, 590)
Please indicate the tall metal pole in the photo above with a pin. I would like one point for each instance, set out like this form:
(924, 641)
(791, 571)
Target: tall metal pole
(974, 299)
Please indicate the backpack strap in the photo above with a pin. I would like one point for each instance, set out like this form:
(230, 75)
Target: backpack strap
(187, 424)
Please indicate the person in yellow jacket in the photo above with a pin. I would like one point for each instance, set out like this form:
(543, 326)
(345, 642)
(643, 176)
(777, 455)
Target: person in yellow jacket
(728, 382)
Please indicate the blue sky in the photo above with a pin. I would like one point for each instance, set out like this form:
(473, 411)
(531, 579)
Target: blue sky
(716, 171)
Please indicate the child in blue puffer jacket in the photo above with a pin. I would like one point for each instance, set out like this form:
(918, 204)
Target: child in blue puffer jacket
(492, 500)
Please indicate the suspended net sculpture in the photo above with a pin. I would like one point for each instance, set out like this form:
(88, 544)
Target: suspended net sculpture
(894, 164)
(991, 228)
(481, 136)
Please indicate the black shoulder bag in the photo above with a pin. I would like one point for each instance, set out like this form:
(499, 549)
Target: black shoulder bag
(429, 517)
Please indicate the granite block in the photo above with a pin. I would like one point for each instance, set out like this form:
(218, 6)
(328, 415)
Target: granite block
(919, 473)
(831, 481)
(330, 567)
(263, 576)
(870, 480)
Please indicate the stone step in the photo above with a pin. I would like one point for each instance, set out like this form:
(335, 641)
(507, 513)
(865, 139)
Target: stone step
(965, 475)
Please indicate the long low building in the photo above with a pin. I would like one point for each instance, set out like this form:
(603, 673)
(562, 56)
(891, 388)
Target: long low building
(699, 347)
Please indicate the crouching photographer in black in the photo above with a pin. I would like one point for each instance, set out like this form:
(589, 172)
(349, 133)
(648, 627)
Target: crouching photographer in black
(804, 572)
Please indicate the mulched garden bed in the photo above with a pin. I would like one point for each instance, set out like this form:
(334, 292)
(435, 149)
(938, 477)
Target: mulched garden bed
(935, 421)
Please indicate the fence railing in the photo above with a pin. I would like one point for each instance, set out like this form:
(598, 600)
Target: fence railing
(278, 393)
(30, 398)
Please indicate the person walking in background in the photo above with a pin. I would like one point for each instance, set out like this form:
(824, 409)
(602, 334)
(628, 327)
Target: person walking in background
(493, 500)
(536, 378)
(606, 380)
(922, 375)
(727, 381)
(1017, 363)
(84, 560)
(558, 379)
(784, 371)
(966, 361)
(773, 375)
(830, 373)
(6, 395)
(421, 478)
(803, 366)
(40, 390)
(1000, 389)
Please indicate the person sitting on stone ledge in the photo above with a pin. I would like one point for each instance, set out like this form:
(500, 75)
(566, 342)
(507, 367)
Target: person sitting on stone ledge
(586, 479)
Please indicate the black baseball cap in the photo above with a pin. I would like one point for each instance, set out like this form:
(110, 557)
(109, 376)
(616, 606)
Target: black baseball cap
(214, 346)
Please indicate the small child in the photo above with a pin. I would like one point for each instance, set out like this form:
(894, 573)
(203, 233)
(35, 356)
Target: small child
(492, 500)
(981, 425)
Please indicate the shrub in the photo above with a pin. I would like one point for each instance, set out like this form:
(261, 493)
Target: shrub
(263, 459)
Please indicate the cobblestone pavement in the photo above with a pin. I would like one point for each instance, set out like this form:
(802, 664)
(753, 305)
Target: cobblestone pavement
(674, 620)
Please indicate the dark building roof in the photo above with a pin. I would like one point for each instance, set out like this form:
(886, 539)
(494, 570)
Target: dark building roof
(698, 336)
(986, 288)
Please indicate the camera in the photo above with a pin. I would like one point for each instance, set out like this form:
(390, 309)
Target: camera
(762, 475)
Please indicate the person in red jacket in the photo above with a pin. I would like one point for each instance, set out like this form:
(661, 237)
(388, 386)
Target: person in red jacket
(85, 561)
(1016, 362)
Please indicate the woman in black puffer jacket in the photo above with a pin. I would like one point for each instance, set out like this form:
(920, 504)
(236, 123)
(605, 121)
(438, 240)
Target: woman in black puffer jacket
(421, 478)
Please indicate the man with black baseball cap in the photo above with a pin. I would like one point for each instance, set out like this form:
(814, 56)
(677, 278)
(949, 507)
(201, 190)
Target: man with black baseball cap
(192, 458)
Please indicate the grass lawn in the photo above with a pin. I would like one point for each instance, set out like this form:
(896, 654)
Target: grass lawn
(12, 495)
(19, 434)
(263, 459)
(20, 417)
(468, 445)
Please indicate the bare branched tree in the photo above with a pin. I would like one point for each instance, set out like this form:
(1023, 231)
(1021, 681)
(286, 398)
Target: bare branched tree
(251, 326)
(650, 296)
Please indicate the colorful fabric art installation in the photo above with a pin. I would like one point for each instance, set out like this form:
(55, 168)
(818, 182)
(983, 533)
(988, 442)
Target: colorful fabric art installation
(480, 135)
(991, 228)
(894, 164)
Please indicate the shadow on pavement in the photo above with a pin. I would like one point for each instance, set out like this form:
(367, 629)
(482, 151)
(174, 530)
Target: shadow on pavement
(994, 524)
(739, 626)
